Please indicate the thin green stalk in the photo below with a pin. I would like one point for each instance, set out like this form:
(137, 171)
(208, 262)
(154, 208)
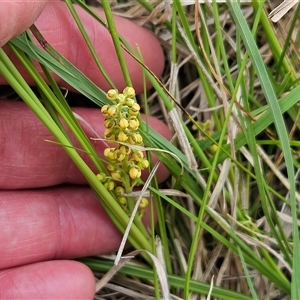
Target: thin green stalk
(116, 40)
(282, 133)
(89, 43)
(174, 35)
(219, 41)
(275, 45)
(288, 39)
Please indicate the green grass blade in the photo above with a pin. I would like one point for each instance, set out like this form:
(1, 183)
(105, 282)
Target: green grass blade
(281, 130)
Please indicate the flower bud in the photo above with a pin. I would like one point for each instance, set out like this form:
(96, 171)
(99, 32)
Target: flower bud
(122, 200)
(107, 151)
(129, 102)
(143, 164)
(101, 177)
(137, 155)
(144, 202)
(120, 190)
(122, 137)
(118, 155)
(134, 124)
(104, 109)
(109, 123)
(129, 91)
(109, 185)
(112, 95)
(116, 175)
(135, 172)
(124, 150)
(121, 98)
(109, 134)
(110, 168)
(134, 109)
(123, 123)
(135, 138)
(112, 111)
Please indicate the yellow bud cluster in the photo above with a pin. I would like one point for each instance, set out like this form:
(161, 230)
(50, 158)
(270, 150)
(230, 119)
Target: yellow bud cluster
(124, 163)
(121, 121)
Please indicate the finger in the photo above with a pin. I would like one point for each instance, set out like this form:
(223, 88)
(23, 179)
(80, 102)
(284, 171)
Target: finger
(27, 160)
(16, 16)
(56, 223)
(48, 280)
(60, 30)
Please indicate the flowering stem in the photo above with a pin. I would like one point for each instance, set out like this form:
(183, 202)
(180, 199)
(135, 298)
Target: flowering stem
(125, 162)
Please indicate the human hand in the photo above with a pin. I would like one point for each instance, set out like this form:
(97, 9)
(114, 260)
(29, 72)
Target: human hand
(44, 224)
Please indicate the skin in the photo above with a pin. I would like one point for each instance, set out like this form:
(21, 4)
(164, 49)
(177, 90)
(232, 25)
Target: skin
(44, 220)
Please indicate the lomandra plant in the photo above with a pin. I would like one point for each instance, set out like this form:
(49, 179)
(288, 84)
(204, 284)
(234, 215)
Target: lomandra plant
(125, 160)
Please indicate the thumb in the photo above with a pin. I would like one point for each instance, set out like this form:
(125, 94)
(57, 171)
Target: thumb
(60, 30)
(17, 16)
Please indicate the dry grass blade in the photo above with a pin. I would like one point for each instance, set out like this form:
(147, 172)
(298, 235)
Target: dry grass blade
(183, 141)
(275, 170)
(165, 294)
(277, 13)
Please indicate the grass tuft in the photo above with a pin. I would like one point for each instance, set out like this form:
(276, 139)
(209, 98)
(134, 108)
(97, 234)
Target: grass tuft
(228, 216)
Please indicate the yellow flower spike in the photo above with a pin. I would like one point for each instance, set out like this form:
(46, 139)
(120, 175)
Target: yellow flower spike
(122, 137)
(144, 202)
(123, 123)
(129, 91)
(112, 111)
(120, 190)
(135, 172)
(116, 175)
(109, 185)
(122, 200)
(112, 95)
(101, 177)
(134, 124)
